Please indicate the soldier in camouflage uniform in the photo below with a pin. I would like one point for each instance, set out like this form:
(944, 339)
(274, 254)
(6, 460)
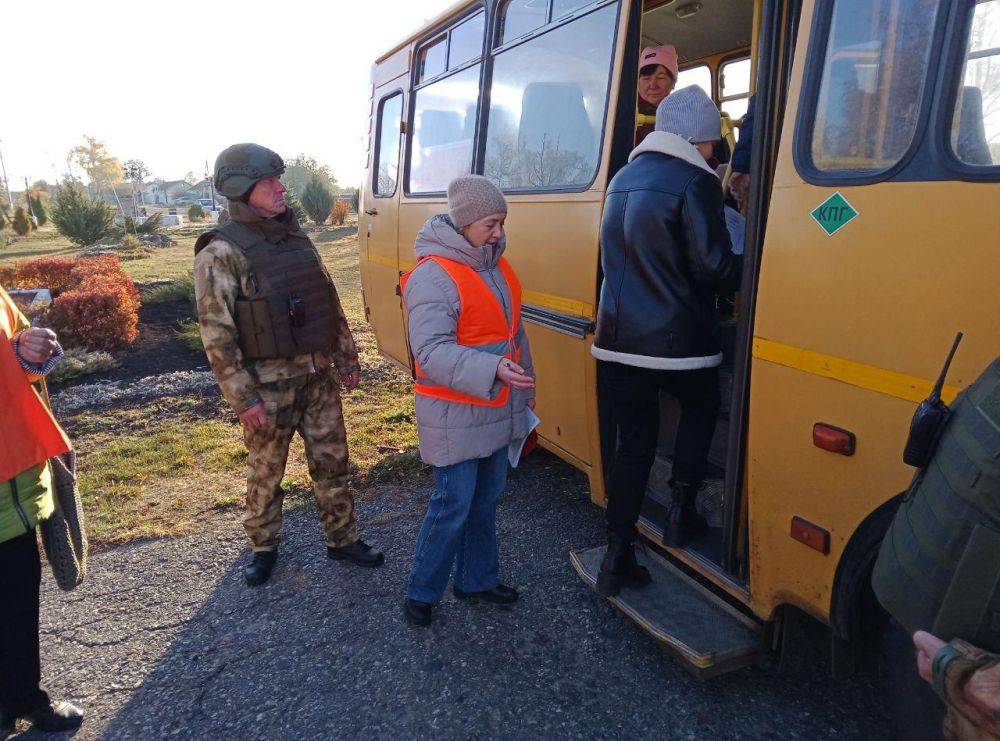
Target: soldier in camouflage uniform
(276, 336)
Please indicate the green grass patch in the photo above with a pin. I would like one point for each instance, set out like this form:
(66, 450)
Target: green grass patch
(78, 362)
(125, 465)
(179, 289)
(227, 500)
(190, 334)
(156, 482)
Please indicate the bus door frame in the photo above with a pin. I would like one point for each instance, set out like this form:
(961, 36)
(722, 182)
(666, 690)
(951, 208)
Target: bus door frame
(775, 54)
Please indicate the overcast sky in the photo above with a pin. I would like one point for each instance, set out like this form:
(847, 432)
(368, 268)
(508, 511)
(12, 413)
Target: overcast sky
(174, 83)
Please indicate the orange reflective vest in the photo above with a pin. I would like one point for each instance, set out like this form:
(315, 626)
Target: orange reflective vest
(482, 325)
(29, 435)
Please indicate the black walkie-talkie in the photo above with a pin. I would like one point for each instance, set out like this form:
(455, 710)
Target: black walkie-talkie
(929, 420)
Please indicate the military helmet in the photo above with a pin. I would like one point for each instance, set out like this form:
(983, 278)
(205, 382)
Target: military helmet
(240, 167)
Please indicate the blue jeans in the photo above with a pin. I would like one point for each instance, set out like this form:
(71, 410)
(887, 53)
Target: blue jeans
(460, 529)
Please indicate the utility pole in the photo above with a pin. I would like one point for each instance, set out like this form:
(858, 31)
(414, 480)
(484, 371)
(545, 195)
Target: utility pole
(6, 182)
(211, 183)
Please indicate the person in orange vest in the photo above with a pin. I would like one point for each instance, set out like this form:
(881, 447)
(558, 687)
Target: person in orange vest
(473, 381)
(29, 438)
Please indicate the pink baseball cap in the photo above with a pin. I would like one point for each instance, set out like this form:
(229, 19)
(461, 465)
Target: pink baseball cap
(665, 55)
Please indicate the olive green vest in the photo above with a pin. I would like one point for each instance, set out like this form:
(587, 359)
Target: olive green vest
(292, 309)
(939, 565)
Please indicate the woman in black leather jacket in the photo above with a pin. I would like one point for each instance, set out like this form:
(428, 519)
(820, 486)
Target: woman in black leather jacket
(666, 254)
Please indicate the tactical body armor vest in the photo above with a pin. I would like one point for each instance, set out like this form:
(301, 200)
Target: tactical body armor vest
(292, 309)
(939, 565)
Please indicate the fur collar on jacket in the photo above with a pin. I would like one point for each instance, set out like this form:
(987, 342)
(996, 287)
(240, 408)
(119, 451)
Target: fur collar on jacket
(672, 145)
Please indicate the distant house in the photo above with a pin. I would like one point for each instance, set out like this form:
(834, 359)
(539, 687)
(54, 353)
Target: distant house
(164, 192)
(176, 192)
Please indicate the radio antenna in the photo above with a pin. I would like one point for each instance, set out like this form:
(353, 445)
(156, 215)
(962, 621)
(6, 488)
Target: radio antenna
(936, 393)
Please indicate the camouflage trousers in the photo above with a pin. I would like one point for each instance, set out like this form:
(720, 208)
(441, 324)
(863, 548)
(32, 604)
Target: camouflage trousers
(310, 405)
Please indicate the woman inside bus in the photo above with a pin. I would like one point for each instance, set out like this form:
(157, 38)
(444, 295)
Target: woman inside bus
(29, 437)
(473, 382)
(657, 77)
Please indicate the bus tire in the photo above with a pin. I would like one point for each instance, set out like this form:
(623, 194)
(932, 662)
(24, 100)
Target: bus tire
(856, 617)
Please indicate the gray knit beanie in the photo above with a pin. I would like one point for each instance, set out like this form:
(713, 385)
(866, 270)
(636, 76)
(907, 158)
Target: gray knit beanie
(473, 197)
(690, 114)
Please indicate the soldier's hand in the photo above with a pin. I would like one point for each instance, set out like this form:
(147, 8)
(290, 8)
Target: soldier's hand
(980, 696)
(927, 647)
(351, 380)
(254, 417)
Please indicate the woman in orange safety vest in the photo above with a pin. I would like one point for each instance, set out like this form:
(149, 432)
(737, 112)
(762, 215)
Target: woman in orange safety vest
(473, 382)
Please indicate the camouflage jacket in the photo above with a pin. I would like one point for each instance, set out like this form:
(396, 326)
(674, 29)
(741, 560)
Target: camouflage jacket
(221, 275)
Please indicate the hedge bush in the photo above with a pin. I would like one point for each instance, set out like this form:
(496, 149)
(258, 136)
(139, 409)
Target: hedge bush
(96, 304)
(21, 222)
(338, 215)
(54, 273)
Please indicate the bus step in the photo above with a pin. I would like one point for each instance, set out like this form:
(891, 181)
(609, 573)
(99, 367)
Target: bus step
(707, 635)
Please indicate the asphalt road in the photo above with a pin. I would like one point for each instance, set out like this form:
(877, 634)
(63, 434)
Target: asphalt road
(164, 640)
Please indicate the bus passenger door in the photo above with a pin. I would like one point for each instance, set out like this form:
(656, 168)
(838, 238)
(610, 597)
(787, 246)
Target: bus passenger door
(377, 222)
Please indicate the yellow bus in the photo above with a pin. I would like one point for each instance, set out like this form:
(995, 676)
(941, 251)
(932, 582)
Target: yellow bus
(871, 229)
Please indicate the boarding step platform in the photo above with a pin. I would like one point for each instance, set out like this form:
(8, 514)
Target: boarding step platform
(709, 636)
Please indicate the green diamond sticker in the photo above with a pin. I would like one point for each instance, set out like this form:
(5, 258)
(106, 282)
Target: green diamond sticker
(834, 213)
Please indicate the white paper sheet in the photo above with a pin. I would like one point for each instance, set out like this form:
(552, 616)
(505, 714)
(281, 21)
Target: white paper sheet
(517, 444)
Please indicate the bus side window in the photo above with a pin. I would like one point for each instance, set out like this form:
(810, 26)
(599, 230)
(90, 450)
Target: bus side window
(975, 131)
(699, 75)
(734, 89)
(874, 71)
(386, 165)
(445, 99)
(547, 105)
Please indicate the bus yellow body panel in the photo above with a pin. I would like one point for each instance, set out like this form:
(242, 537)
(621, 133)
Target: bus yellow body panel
(849, 330)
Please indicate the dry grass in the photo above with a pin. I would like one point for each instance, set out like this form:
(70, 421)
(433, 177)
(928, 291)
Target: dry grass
(161, 469)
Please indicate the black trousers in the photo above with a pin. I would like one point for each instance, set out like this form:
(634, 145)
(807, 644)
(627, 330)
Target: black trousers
(634, 396)
(20, 665)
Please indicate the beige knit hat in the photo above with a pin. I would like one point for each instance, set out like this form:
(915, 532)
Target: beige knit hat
(473, 197)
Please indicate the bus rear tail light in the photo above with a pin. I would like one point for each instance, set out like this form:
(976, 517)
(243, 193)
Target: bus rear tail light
(834, 439)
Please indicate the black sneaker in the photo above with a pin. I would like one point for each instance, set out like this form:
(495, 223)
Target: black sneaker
(56, 717)
(501, 594)
(258, 571)
(359, 553)
(417, 613)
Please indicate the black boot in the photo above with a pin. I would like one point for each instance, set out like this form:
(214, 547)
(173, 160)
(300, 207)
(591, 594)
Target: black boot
(418, 613)
(359, 553)
(619, 568)
(501, 594)
(7, 724)
(682, 515)
(258, 571)
(56, 717)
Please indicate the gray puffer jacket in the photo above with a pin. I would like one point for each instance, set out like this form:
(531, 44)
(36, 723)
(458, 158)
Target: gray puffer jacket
(452, 432)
